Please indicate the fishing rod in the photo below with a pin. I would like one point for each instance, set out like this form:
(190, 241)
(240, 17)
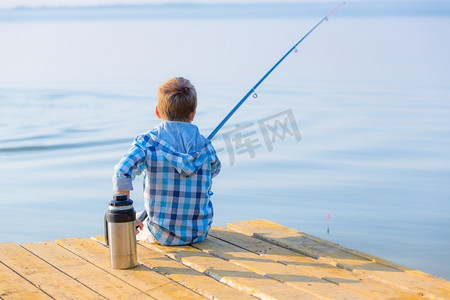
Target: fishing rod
(252, 90)
(143, 215)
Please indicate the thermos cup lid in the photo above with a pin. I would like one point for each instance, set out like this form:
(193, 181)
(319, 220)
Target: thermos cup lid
(120, 197)
(120, 200)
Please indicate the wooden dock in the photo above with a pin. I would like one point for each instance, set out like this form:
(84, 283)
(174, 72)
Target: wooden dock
(247, 260)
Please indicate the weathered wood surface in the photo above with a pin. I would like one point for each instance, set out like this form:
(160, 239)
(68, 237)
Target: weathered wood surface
(363, 264)
(247, 260)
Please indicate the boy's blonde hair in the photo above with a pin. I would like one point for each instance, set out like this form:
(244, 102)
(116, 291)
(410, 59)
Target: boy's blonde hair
(177, 99)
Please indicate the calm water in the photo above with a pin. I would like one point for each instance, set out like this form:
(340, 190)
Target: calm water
(369, 94)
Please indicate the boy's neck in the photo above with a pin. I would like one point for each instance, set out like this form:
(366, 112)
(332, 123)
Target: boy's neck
(165, 120)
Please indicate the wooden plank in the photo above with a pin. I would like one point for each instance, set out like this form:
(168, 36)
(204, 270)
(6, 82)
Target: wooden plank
(196, 281)
(296, 241)
(13, 286)
(344, 278)
(296, 278)
(88, 274)
(235, 276)
(327, 252)
(202, 284)
(358, 253)
(141, 277)
(44, 276)
(436, 280)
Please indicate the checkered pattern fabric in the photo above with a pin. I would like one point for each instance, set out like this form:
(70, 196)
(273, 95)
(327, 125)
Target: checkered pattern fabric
(177, 186)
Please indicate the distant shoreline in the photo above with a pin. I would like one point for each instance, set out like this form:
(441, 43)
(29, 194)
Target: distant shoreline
(229, 10)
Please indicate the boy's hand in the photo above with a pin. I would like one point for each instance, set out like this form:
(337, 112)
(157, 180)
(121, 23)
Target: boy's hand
(139, 225)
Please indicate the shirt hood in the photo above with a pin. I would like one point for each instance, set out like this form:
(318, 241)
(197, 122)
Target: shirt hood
(182, 145)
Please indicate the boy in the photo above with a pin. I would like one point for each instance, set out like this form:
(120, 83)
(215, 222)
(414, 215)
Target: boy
(178, 165)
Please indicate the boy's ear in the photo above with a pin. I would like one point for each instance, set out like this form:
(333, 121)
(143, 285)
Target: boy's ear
(158, 115)
(192, 115)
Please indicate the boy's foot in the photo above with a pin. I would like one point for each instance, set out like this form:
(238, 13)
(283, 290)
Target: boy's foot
(144, 235)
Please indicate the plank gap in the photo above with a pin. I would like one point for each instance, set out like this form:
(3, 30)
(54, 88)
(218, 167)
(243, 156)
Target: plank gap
(107, 271)
(345, 259)
(101, 241)
(18, 274)
(302, 281)
(55, 267)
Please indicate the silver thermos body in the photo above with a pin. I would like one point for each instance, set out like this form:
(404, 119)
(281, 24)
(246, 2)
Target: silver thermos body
(120, 232)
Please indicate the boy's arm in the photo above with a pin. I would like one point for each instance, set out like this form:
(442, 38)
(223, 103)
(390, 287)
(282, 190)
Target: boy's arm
(131, 164)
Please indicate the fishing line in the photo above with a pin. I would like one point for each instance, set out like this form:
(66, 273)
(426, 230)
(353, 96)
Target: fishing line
(252, 90)
(143, 215)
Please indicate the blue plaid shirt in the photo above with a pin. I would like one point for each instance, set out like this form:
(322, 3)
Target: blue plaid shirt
(178, 164)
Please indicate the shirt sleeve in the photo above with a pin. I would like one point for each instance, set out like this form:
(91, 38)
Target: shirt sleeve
(215, 167)
(215, 162)
(131, 164)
